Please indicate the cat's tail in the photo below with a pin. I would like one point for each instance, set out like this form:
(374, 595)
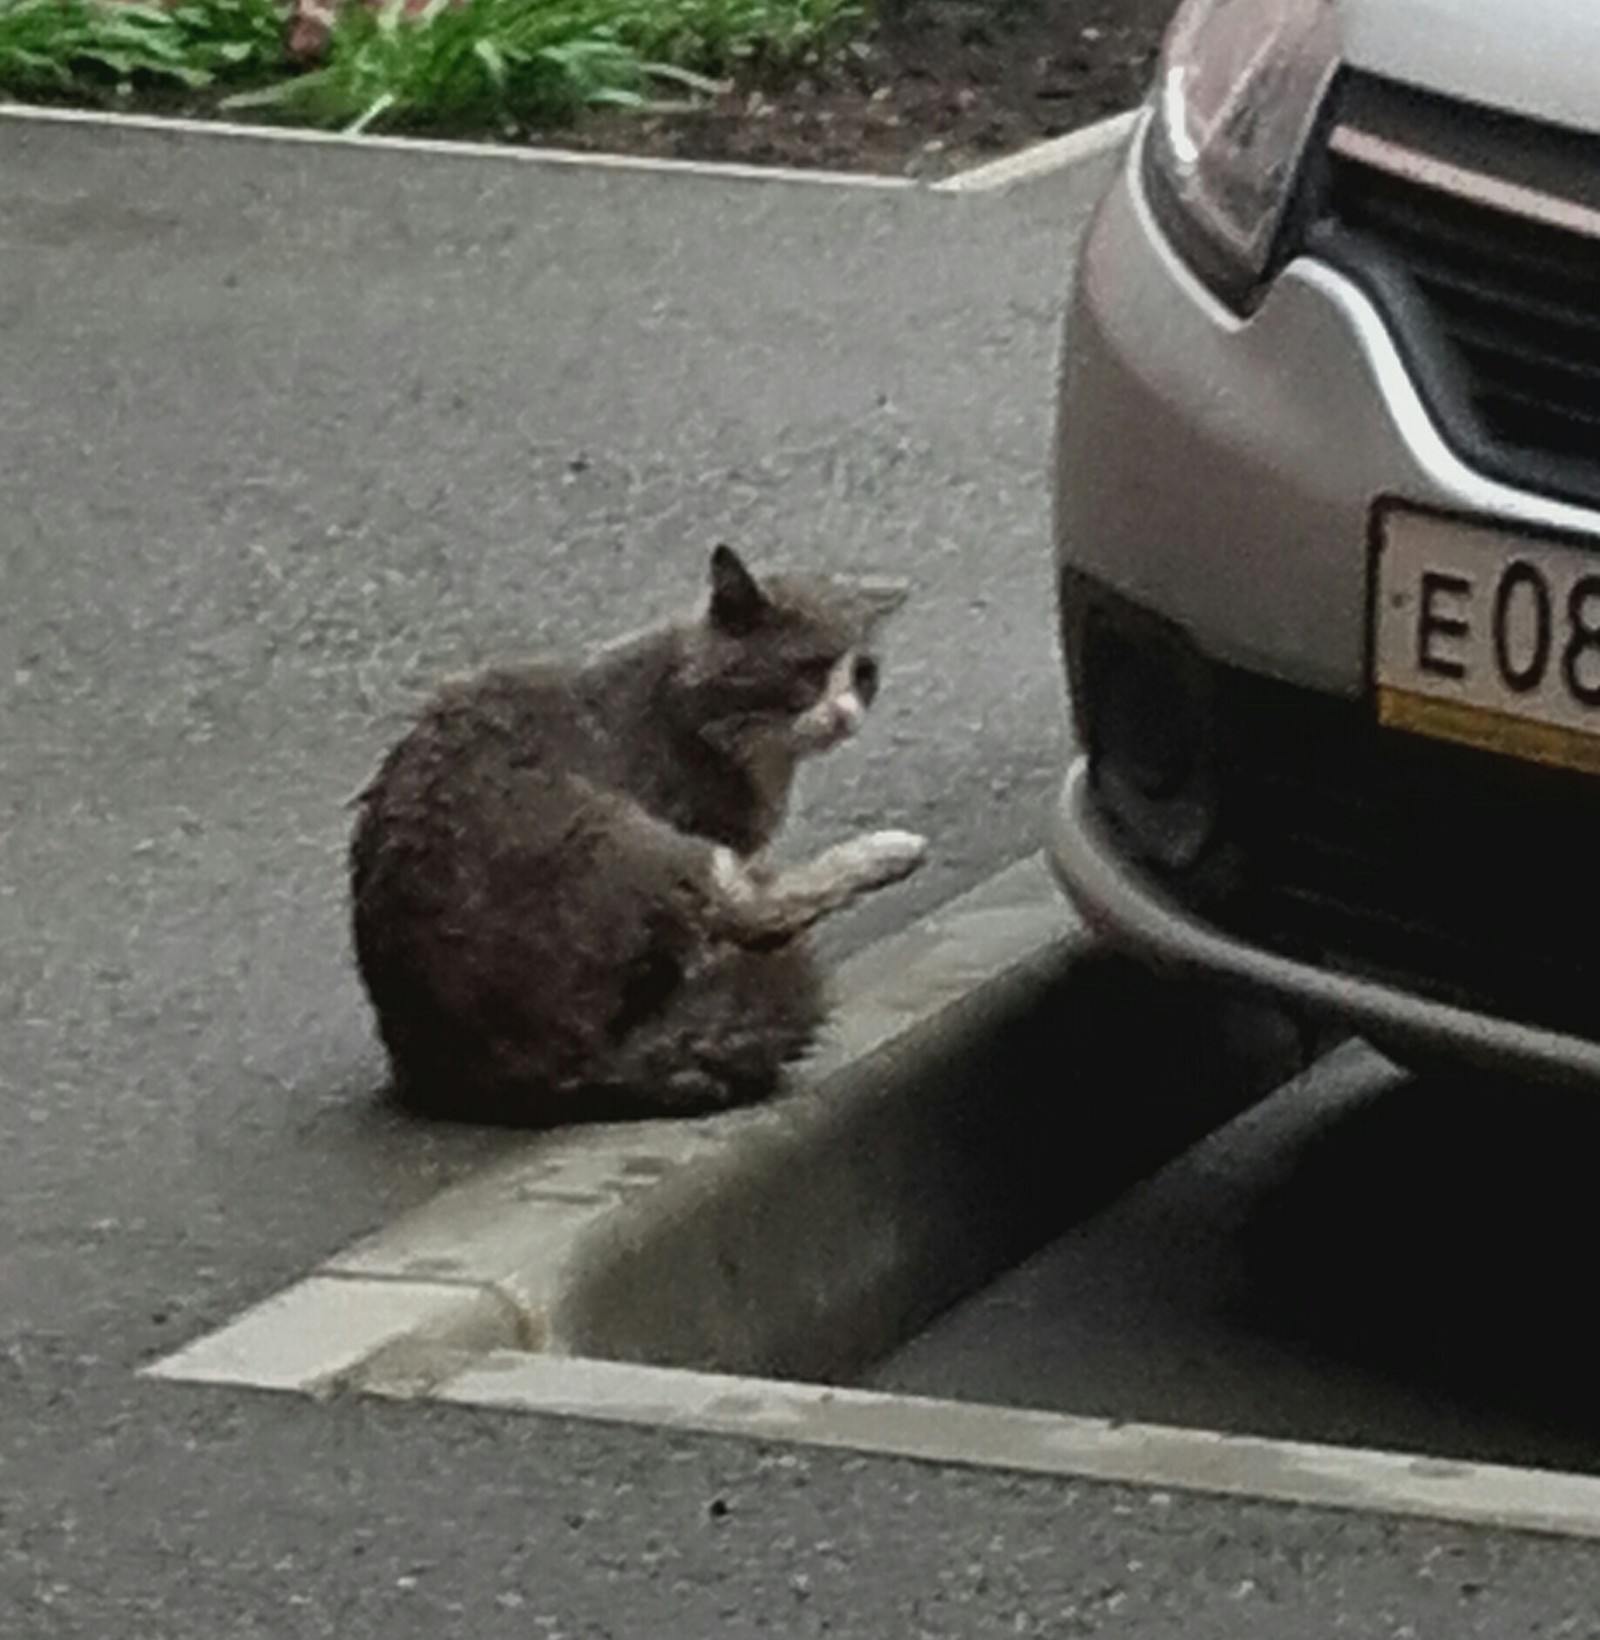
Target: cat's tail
(721, 1039)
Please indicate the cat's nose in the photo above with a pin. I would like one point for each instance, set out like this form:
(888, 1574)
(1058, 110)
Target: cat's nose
(847, 714)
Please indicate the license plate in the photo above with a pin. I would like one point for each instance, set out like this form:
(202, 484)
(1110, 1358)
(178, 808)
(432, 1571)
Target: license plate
(1489, 638)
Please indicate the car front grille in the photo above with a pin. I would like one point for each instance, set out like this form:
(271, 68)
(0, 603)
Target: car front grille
(1478, 236)
(1462, 876)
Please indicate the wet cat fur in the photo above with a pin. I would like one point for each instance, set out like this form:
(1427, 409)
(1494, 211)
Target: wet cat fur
(560, 910)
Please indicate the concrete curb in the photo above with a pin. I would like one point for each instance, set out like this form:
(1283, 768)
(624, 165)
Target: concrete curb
(931, 1141)
(641, 1239)
(1075, 148)
(1041, 159)
(504, 153)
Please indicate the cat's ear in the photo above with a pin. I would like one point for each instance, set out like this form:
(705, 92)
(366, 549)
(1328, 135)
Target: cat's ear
(878, 598)
(737, 602)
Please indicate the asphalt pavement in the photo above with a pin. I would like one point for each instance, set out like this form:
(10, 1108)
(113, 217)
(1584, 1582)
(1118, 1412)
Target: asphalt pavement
(285, 433)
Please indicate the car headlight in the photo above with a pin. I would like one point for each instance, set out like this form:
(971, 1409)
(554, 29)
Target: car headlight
(1238, 92)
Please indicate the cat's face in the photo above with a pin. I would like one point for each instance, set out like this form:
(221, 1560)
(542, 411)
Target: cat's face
(785, 665)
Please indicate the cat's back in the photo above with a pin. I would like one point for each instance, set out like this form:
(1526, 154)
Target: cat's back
(492, 763)
(523, 717)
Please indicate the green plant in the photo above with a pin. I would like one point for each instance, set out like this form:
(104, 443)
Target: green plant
(461, 64)
(498, 62)
(86, 47)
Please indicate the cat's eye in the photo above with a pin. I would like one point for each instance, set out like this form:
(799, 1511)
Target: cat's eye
(866, 677)
(815, 674)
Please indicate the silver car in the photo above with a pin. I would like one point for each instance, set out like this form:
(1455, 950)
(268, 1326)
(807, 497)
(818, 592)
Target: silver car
(1328, 522)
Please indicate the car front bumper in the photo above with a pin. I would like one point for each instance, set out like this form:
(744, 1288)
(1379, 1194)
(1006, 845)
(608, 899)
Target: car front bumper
(1223, 474)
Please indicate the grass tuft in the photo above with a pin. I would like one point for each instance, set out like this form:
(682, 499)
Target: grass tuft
(468, 65)
(519, 62)
(90, 49)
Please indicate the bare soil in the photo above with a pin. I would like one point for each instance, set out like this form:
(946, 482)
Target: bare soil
(939, 85)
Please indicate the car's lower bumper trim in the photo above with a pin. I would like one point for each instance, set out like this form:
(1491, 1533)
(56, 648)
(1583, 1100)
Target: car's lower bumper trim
(1120, 903)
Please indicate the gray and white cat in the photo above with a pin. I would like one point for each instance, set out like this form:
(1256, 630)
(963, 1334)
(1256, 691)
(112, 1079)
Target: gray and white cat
(561, 910)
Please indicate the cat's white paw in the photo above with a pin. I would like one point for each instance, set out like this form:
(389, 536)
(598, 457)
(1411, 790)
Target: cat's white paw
(731, 877)
(888, 856)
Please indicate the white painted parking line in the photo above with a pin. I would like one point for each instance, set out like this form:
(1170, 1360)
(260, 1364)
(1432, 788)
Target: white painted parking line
(506, 153)
(313, 1336)
(1148, 1456)
(1038, 160)
(1075, 148)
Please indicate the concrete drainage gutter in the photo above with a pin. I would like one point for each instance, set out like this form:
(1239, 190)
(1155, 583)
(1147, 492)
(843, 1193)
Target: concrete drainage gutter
(981, 1069)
